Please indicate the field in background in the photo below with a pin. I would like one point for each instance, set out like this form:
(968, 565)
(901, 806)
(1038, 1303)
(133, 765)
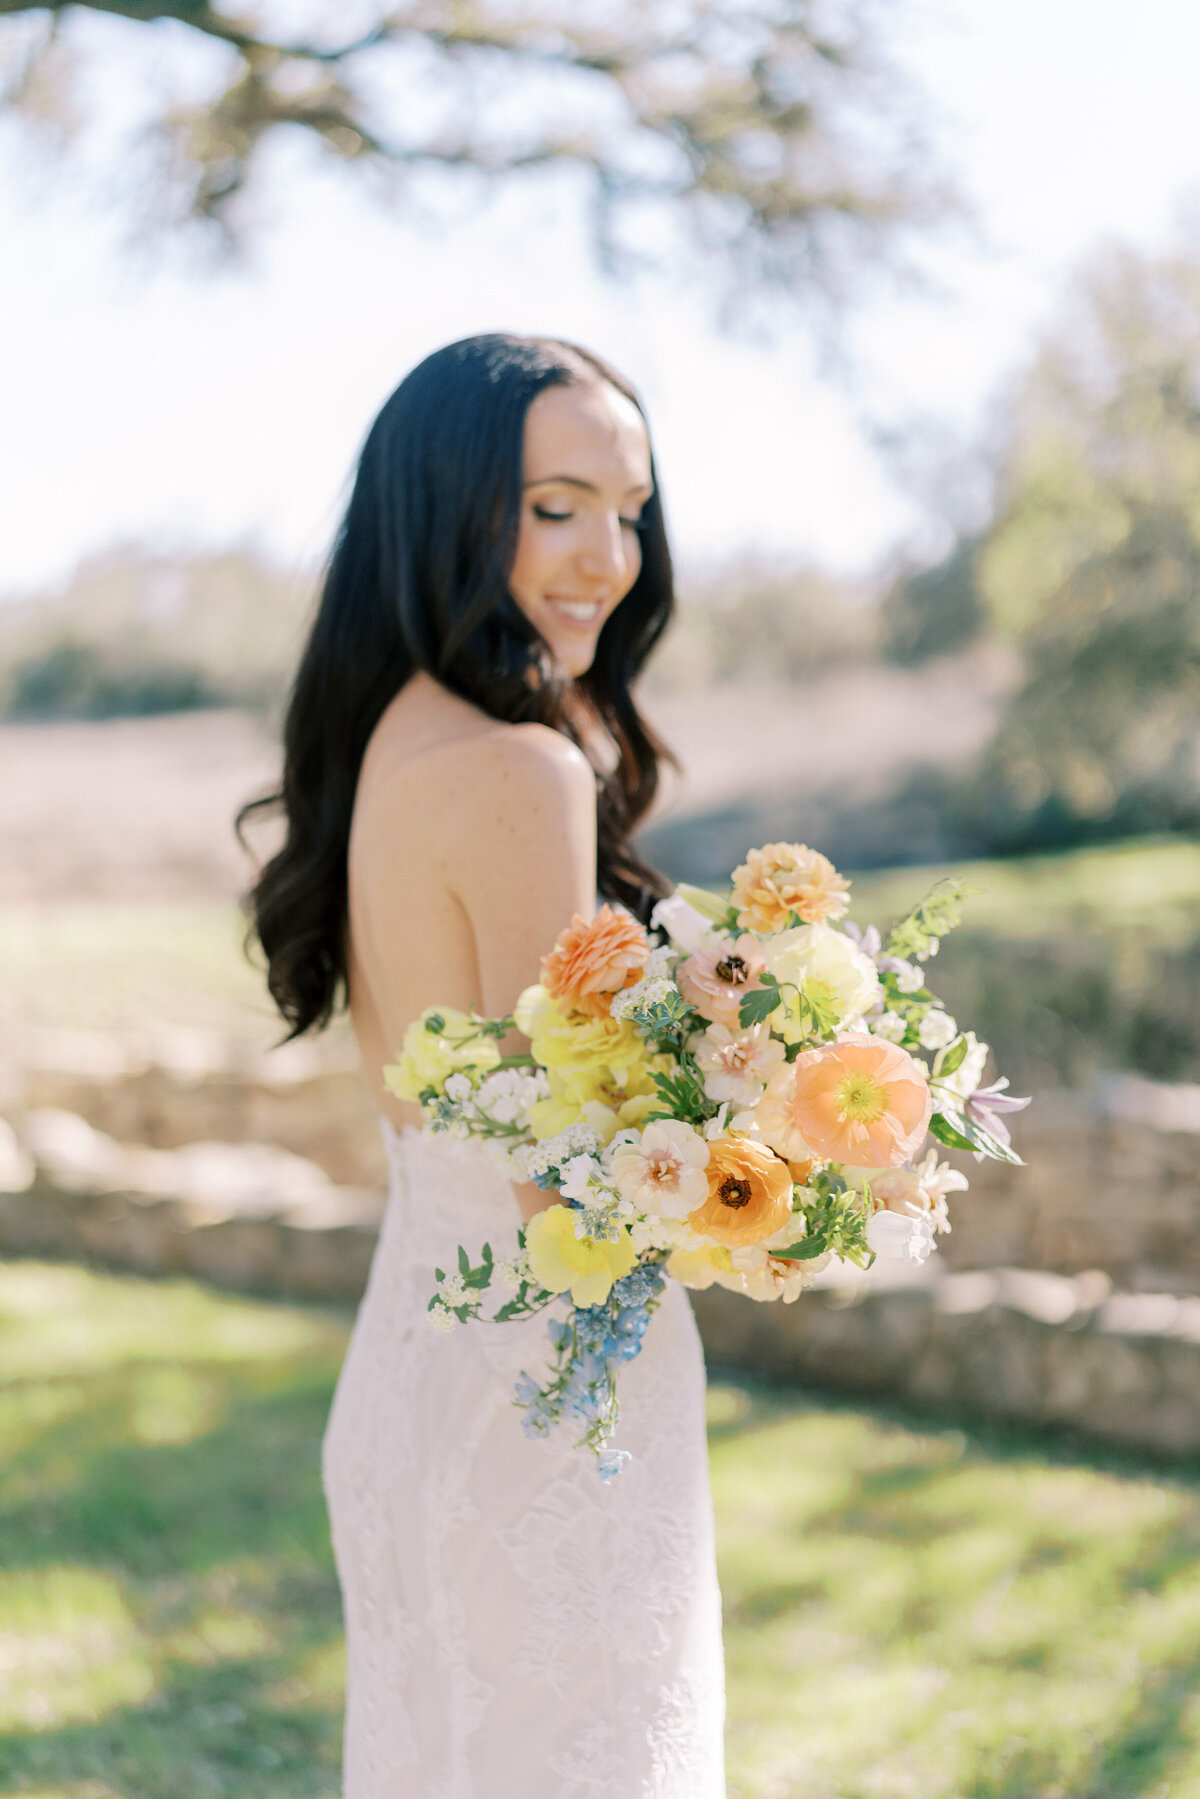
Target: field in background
(911, 1609)
(1070, 964)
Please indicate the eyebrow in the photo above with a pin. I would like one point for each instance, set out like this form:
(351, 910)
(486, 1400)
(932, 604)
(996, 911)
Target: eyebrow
(587, 486)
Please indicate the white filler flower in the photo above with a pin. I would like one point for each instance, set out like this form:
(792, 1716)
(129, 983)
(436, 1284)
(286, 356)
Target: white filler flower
(937, 1030)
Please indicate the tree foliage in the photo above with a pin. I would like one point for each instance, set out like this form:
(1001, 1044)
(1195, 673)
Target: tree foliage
(1105, 424)
(775, 133)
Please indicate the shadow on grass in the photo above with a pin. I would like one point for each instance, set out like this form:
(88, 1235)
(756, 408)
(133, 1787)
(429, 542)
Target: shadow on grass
(247, 1484)
(765, 1402)
(205, 1730)
(211, 1541)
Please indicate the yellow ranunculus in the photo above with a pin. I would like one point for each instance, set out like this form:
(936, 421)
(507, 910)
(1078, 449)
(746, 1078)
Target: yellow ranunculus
(607, 1102)
(574, 1041)
(699, 1268)
(429, 1056)
(559, 1260)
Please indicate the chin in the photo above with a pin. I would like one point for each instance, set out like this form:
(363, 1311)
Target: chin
(573, 659)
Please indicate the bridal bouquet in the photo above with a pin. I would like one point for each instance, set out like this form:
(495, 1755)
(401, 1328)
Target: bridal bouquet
(735, 1104)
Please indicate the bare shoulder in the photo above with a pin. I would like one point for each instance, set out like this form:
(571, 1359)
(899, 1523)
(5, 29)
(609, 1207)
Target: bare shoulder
(491, 779)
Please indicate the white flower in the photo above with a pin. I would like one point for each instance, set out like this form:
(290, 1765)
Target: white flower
(510, 1272)
(968, 1076)
(684, 925)
(891, 1027)
(908, 978)
(660, 963)
(573, 1140)
(762, 1276)
(452, 1290)
(576, 1176)
(508, 1094)
(716, 1125)
(897, 1235)
(458, 1088)
(937, 1030)
(657, 1233)
(665, 1172)
(931, 949)
(643, 996)
(737, 1064)
(823, 960)
(441, 1319)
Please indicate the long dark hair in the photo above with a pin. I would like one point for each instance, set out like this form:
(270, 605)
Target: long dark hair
(418, 579)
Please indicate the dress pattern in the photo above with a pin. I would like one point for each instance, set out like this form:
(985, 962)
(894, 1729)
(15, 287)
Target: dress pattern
(515, 1629)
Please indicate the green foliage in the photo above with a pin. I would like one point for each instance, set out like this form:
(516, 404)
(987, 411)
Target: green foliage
(919, 933)
(910, 1607)
(1103, 428)
(1103, 736)
(935, 611)
(757, 1005)
(134, 633)
(917, 1609)
(784, 145)
(748, 621)
(835, 1217)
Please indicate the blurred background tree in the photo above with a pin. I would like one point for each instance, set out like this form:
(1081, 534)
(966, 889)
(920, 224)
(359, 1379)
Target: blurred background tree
(778, 140)
(1091, 567)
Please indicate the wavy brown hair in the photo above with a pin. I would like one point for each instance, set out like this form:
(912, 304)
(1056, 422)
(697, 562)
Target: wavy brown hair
(418, 579)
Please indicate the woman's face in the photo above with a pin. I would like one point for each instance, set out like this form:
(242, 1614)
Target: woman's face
(586, 479)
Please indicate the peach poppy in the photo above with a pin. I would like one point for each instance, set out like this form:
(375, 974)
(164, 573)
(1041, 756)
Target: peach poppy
(861, 1102)
(593, 959)
(782, 878)
(749, 1193)
(717, 973)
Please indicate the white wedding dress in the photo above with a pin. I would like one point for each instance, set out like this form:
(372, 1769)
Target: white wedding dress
(515, 1628)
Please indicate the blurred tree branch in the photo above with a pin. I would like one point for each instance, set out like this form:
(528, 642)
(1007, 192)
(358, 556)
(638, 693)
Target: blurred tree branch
(774, 132)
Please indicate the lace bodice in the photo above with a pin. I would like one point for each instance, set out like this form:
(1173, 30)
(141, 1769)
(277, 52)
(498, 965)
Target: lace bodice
(515, 1628)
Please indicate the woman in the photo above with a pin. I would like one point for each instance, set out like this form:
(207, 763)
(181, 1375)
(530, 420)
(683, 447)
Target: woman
(464, 764)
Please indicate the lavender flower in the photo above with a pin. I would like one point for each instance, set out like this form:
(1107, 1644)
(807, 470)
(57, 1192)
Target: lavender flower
(985, 1106)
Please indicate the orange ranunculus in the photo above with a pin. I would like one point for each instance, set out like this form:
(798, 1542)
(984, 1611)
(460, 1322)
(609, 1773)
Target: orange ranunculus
(593, 960)
(862, 1102)
(749, 1193)
(782, 878)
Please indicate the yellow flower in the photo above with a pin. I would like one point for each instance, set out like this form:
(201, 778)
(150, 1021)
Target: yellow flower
(572, 1040)
(559, 1260)
(429, 1056)
(699, 1268)
(597, 1097)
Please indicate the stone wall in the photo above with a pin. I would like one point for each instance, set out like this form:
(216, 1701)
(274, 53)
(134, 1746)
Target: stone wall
(1112, 1178)
(1067, 1294)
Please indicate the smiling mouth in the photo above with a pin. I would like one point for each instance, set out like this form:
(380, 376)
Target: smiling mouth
(579, 612)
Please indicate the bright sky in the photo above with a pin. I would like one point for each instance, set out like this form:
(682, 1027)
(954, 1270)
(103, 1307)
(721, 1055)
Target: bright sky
(154, 404)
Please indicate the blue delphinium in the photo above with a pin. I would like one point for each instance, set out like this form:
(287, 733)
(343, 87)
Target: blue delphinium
(589, 1346)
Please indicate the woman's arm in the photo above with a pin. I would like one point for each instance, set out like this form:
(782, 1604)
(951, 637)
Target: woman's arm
(506, 824)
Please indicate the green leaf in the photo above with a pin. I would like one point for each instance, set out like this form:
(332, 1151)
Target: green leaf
(702, 901)
(464, 1262)
(950, 1129)
(757, 1005)
(952, 1058)
(804, 1251)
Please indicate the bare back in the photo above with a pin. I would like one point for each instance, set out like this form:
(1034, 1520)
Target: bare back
(472, 844)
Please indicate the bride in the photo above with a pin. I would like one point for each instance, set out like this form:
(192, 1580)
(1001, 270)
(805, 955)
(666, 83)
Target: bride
(464, 764)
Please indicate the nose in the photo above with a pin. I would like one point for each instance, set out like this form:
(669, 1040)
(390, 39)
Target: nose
(604, 554)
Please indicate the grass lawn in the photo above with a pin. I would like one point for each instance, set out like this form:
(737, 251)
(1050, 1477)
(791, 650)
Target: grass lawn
(910, 1609)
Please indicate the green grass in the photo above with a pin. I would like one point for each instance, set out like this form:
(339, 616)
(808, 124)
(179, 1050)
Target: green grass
(911, 1609)
(111, 965)
(1151, 886)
